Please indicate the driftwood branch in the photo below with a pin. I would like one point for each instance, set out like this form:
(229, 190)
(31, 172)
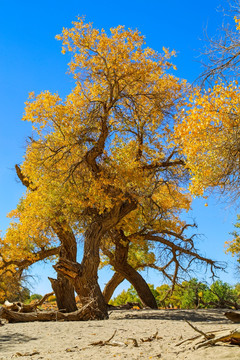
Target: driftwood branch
(233, 316)
(211, 338)
(105, 342)
(206, 336)
(26, 308)
(126, 343)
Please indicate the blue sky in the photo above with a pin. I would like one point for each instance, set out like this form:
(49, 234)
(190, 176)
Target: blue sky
(31, 60)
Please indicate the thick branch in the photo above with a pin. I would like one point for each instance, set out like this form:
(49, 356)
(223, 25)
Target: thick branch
(98, 148)
(164, 164)
(23, 264)
(24, 180)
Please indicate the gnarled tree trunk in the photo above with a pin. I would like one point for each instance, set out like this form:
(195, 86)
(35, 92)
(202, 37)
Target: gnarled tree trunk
(138, 283)
(84, 276)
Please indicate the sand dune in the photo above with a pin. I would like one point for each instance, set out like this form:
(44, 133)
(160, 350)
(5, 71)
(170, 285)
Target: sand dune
(72, 340)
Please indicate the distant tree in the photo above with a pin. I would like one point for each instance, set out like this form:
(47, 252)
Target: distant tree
(35, 297)
(220, 295)
(163, 295)
(192, 292)
(233, 245)
(237, 291)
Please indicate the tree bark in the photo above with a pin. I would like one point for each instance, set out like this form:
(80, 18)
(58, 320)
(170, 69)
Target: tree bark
(64, 292)
(84, 276)
(112, 284)
(138, 283)
(62, 287)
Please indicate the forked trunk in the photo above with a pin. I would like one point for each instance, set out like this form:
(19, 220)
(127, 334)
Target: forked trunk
(119, 261)
(86, 286)
(84, 276)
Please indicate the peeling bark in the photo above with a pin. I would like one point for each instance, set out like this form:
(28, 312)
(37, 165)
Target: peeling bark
(86, 287)
(64, 292)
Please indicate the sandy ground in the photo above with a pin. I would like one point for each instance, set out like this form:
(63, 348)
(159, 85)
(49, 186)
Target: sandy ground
(72, 340)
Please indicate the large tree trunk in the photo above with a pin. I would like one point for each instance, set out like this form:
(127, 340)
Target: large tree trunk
(64, 292)
(112, 284)
(62, 287)
(138, 283)
(86, 287)
(84, 276)
(119, 261)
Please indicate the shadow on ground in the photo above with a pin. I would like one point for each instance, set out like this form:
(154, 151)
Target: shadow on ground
(209, 315)
(9, 340)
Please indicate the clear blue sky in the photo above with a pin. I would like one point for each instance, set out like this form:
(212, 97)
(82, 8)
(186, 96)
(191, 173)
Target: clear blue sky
(31, 60)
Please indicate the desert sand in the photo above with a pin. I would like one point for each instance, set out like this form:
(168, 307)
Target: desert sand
(73, 340)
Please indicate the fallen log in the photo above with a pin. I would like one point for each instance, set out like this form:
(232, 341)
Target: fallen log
(233, 316)
(26, 308)
(83, 314)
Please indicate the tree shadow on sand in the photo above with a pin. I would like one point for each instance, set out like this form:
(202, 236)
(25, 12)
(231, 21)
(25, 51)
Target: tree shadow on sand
(10, 340)
(210, 315)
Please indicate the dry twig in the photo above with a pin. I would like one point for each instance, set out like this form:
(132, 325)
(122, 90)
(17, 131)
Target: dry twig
(211, 338)
(106, 342)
